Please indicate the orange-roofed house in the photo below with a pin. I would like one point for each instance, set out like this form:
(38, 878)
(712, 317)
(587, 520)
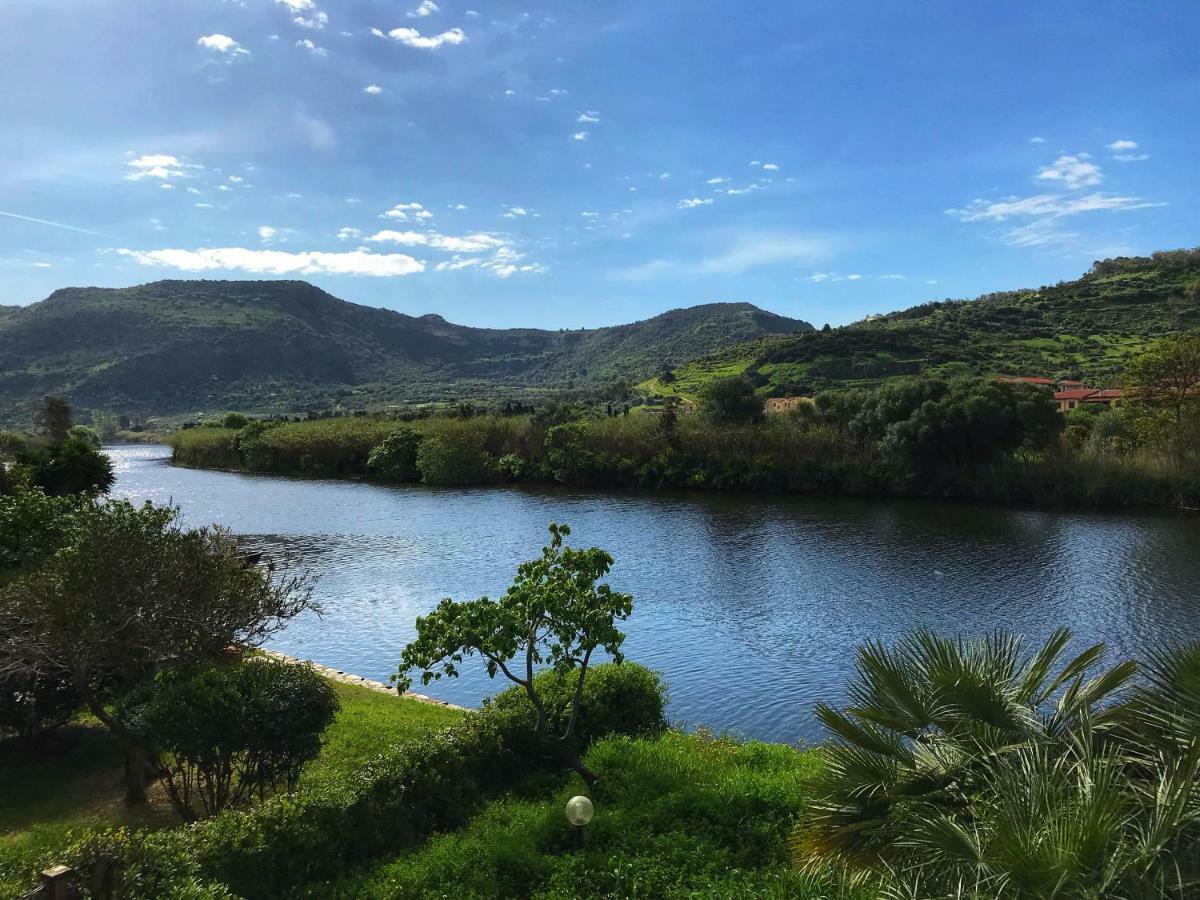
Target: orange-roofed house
(1069, 400)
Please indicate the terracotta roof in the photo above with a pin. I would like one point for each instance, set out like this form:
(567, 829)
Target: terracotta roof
(1088, 394)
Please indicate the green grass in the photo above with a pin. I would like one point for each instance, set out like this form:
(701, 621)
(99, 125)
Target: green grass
(678, 815)
(75, 783)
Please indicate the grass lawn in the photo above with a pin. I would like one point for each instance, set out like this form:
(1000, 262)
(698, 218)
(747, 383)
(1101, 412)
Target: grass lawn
(75, 782)
(678, 815)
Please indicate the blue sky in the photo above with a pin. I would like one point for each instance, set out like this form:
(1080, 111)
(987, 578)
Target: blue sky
(580, 164)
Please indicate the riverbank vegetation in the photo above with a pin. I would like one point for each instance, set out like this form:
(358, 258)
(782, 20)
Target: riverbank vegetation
(964, 439)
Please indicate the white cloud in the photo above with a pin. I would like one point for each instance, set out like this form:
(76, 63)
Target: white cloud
(167, 186)
(266, 232)
(693, 202)
(854, 277)
(1072, 171)
(160, 165)
(348, 234)
(510, 93)
(236, 179)
(891, 277)
(222, 43)
(770, 167)
(312, 48)
(426, 8)
(755, 162)
(372, 89)
(749, 251)
(1130, 157)
(1042, 205)
(471, 243)
(1037, 140)
(748, 189)
(589, 117)
(818, 277)
(581, 135)
(410, 37)
(1122, 145)
(305, 13)
(720, 179)
(278, 262)
(203, 205)
(515, 212)
(402, 212)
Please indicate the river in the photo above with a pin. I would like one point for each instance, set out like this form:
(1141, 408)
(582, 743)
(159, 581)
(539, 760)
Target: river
(750, 606)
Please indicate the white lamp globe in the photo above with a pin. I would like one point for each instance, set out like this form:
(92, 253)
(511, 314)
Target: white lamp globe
(579, 811)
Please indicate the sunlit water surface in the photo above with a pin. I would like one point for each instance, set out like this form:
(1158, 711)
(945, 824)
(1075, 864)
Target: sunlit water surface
(750, 606)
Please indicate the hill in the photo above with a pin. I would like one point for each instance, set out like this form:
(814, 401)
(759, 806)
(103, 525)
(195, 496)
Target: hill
(1084, 329)
(175, 347)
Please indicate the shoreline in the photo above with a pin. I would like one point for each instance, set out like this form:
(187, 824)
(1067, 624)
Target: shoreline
(343, 677)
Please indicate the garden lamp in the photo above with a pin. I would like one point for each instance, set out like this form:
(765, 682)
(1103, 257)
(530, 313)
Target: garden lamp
(579, 813)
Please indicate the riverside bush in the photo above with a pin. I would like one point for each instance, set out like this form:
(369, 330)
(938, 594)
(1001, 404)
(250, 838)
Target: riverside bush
(226, 734)
(395, 801)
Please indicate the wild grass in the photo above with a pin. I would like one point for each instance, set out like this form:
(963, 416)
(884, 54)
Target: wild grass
(75, 783)
(677, 815)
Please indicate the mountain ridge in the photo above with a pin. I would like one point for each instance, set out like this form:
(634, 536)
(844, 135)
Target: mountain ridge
(181, 346)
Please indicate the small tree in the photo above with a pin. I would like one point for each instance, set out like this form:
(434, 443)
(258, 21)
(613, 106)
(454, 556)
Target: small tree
(73, 466)
(395, 457)
(223, 734)
(1167, 378)
(235, 420)
(54, 418)
(731, 400)
(134, 591)
(553, 614)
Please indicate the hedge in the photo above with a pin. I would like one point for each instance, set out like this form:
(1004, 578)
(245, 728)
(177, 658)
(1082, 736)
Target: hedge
(416, 788)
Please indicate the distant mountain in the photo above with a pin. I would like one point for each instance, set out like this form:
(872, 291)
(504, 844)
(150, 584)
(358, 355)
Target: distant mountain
(176, 347)
(1087, 329)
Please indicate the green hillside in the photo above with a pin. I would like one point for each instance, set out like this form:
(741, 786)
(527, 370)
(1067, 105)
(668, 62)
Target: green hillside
(1083, 329)
(176, 347)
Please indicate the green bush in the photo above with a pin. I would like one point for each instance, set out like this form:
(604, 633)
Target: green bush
(31, 704)
(455, 457)
(235, 420)
(225, 734)
(396, 458)
(617, 699)
(73, 466)
(419, 786)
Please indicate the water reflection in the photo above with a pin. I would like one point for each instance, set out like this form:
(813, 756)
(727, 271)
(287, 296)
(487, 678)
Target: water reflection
(751, 606)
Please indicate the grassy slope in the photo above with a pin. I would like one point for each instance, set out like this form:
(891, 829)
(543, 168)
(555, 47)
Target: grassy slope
(1086, 328)
(676, 815)
(176, 347)
(78, 784)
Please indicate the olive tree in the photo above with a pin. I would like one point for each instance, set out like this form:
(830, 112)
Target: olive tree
(132, 592)
(554, 614)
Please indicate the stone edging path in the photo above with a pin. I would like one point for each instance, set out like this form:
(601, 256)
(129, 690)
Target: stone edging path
(357, 680)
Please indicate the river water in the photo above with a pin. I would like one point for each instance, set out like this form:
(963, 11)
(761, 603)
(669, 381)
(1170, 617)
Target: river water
(751, 606)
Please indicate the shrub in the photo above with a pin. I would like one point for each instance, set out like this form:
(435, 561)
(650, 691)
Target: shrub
(224, 734)
(235, 420)
(727, 400)
(396, 458)
(73, 466)
(31, 704)
(455, 457)
(417, 787)
(617, 699)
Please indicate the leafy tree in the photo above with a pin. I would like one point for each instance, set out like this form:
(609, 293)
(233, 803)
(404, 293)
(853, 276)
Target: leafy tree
(974, 422)
(395, 458)
(223, 734)
(456, 457)
(235, 420)
(33, 526)
(567, 456)
(87, 435)
(135, 591)
(73, 466)
(554, 614)
(54, 418)
(731, 400)
(1167, 377)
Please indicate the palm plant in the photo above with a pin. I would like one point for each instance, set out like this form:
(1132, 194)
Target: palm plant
(971, 768)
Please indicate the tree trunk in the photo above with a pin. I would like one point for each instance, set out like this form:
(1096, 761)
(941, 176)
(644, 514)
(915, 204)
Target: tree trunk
(136, 766)
(590, 777)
